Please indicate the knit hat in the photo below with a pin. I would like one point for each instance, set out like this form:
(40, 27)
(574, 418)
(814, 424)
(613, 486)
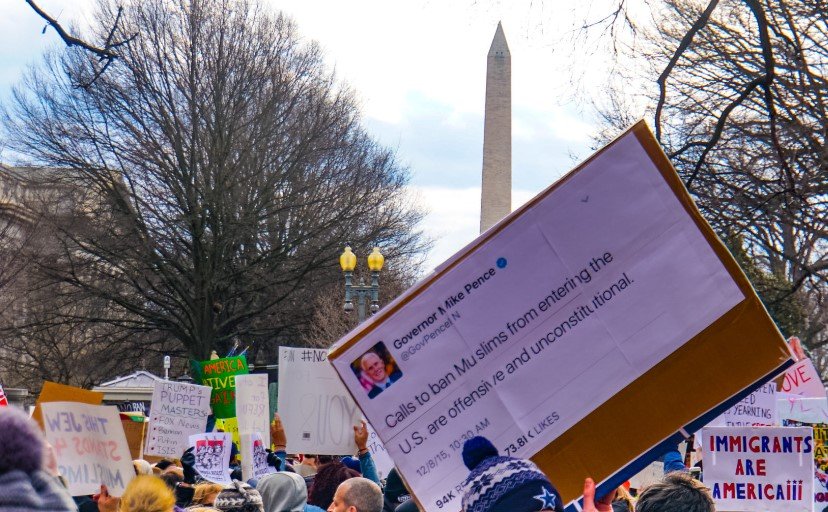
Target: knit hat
(395, 492)
(283, 492)
(239, 497)
(21, 443)
(26, 487)
(504, 483)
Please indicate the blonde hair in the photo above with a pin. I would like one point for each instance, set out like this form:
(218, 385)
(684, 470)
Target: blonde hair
(147, 494)
(202, 490)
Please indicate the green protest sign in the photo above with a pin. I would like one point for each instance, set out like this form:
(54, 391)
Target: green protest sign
(220, 374)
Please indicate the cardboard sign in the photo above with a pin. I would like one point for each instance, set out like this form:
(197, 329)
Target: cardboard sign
(803, 380)
(54, 392)
(253, 405)
(3, 400)
(759, 468)
(178, 410)
(318, 413)
(90, 445)
(563, 324)
(220, 374)
(134, 432)
(758, 409)
(212, 456)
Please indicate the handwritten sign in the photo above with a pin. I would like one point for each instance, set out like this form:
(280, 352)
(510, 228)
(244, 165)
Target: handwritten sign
(220, 374)
(253, 405)
(803, 380)
(758, 409)
(318, 412)
(759, 468)
(178, 410)
(552, 322)
(212, 456)
(90, 445)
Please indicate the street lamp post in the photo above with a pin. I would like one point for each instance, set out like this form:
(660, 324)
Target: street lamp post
(348, 261)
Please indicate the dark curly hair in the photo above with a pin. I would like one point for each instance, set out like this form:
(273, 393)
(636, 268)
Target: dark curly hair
(326, 481)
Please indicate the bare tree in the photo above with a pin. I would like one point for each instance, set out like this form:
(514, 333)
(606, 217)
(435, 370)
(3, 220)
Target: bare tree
(232, 170)
(739, 105)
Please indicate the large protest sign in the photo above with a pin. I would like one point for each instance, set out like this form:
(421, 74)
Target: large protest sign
(317, 410)
(759, 468)
(562, 326)
(90, 446)
(253, 405)
(54, 392)
(212, 456)
(178, 411)
(220, 374)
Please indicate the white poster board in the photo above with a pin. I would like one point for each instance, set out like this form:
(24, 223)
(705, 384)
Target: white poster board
(253, 405)
(759, 468)
(90, 445)
(212, 455)
(178, 410)
(536, 326)
(318, 413)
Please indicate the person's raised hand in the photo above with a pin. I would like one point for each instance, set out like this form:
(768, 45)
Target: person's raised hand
(590, 505)
(361, 436)
(106, 502)
(277, 433)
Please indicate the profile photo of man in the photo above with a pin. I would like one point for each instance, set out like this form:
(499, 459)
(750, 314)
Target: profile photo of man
(376, 370)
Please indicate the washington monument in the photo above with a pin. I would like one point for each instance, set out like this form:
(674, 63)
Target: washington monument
(496, 195)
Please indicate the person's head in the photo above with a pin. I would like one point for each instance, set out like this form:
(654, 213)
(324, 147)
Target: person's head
(357, 495)
(24, 480)
(147, 494)
(171, 478)
(142, 467)
(205, 494)
(504, 483)
(326, 481)
(676, 492)
(239, 497)
(22, 446)
(374, 367)
(283, 492)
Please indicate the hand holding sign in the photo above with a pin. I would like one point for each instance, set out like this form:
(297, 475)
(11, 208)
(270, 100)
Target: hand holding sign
(361, 436)
(604, 504)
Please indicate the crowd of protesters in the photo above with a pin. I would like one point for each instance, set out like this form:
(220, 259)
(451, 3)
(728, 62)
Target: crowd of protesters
(30, 481)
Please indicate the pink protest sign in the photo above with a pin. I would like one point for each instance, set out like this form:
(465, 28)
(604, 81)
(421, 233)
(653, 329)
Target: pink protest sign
(802, 379)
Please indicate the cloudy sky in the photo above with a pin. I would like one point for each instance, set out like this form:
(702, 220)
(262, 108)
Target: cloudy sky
(419, 68)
